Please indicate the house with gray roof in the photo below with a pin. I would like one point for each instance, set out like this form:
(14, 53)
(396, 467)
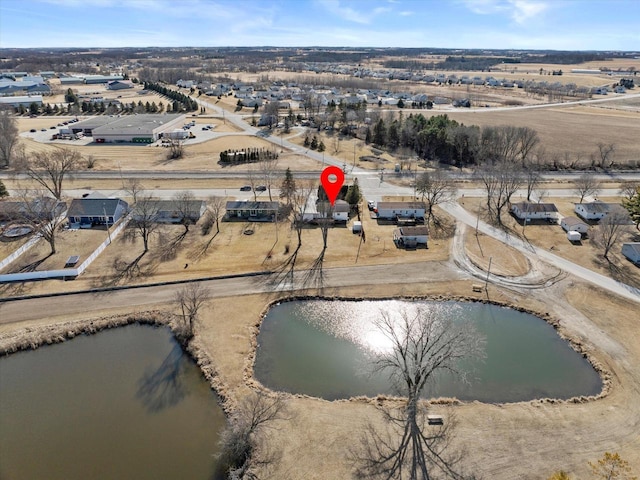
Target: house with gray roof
(253, 211)
(526, 211)
(171, 211)
(87, 212)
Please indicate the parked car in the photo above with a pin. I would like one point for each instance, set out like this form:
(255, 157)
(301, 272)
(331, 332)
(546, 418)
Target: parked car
(33, 130)
(43, 129)
(245, 188)
(371, 205)
(261, 188)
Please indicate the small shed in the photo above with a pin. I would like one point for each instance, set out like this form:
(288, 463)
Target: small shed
(574, 224)
(574, 236)
(411, 237)
(356, 227)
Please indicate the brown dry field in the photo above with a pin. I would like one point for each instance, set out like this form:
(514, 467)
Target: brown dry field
(572, 129)
(197, 157)
(554, 238)
(505, 261)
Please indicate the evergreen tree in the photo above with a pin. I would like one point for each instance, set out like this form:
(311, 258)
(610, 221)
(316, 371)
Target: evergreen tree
(400, 103)
(3, 190)
(321, 147)
(314, 143)
(353, 196)
(380, 133)
(633, 207)
(367, 138)
(288, 187)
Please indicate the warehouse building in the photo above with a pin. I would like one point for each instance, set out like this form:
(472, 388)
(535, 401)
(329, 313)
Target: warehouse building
(25, 101)
(136, 128)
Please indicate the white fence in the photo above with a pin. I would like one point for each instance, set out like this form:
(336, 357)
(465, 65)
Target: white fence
(32, 241)
(67, 272)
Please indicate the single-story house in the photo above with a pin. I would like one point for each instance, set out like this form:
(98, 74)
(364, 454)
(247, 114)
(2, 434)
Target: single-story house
(34, 210)
(574, 224)
(96, 211)
(597, 210)
(171, 211)
(410, 237)
(534, 211)
(249, 210)
(632, 252)
(395, 210)
(339, 211)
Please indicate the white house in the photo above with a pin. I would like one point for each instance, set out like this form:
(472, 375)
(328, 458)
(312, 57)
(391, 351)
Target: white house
(534, 211)
(594, 210)
(410, 237)
(185, 83)
(632, 252)
(574, 224)
(393, 210)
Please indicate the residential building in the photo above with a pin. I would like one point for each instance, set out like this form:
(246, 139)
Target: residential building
(534, 211)
(87, 212)
(411, 237)
(250, 210)
(632, 252)
(574, 224)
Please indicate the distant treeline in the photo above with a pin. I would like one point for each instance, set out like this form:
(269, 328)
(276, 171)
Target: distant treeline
(180, 100)
(462, 63)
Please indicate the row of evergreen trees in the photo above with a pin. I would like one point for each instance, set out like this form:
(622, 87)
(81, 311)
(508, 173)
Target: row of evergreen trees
(248, 155)
(180, 100)
(437, 137)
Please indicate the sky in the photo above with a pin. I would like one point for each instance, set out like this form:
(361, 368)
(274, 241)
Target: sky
(497, 24)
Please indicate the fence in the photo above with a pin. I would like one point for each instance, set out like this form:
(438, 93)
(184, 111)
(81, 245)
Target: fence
(67, 272)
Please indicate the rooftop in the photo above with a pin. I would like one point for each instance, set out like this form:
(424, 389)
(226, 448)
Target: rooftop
(137, 123)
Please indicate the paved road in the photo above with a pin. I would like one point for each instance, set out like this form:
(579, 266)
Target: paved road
(146, 297)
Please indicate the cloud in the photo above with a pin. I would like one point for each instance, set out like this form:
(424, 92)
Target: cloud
(406, 13)
(349, 14)
(518, 10)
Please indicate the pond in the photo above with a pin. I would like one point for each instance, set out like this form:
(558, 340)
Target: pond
(326, 348)
(123, 403)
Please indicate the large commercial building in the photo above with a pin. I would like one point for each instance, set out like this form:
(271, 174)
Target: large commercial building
(131, 128)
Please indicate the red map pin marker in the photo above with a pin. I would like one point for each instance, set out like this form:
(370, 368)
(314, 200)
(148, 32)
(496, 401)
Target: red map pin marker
(332, 188)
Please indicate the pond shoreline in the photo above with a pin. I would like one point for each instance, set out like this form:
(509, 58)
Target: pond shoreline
(31, 338)
(576, 345)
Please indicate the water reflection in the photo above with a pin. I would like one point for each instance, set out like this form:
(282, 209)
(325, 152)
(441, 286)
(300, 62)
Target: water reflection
(164, 386)
(327, 349)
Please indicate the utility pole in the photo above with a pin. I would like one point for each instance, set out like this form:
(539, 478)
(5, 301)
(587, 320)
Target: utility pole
(106, 222)
(486, 282)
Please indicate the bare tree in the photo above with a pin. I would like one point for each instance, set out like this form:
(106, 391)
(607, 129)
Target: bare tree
(191, 298)
(133, 187)
(216, 206)
(43, 213)
(527, 139)
(243, 448)
(49, 169)
(176, 149)
(586, 185)
(611, 229)
(8, 137)
(629, 189)
(422, 345)
(185, 206)
(501, 180)
(268, 170)
(436, 188)
(145, 219)
(604, 155)
(299, 202)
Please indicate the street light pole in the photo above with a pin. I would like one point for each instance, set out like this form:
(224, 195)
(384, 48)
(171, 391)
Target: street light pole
(106, 222)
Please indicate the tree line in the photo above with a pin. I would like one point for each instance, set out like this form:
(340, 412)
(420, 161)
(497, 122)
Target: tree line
(181, 102)
(249, 155)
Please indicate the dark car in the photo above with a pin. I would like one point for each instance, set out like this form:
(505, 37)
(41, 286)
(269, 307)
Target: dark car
(261, 188)
(245, 188)
(33, 130)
